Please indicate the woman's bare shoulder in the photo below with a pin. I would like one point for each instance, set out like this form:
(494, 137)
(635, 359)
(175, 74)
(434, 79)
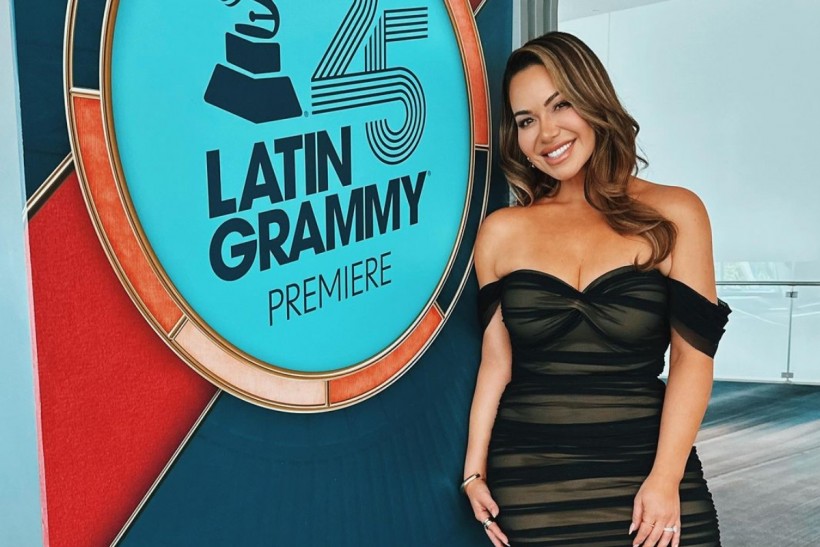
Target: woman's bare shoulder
(495, 234)
(678, 204)
(691, 259)
(502, 221)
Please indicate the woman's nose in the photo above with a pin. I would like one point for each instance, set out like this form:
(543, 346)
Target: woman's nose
(549, 129)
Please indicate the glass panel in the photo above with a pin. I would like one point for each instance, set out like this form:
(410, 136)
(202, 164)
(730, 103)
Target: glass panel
(805, 352)
(756, 340)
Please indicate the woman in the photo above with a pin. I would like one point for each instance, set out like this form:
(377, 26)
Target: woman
(573, 438)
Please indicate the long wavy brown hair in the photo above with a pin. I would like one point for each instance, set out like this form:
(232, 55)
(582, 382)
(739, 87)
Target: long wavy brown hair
(582, 79)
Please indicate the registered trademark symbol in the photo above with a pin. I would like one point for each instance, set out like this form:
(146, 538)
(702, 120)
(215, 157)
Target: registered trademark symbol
(429, 173)
(305, 114)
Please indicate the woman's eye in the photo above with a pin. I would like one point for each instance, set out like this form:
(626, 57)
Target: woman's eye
(562, 105)
(522, 123)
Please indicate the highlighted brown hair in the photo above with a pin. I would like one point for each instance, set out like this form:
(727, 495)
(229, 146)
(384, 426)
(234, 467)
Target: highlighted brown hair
(583, 81)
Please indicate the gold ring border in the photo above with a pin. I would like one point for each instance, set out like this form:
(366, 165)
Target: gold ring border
(169, 337)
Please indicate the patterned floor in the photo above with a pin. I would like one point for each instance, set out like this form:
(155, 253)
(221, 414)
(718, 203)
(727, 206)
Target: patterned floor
(760, 447)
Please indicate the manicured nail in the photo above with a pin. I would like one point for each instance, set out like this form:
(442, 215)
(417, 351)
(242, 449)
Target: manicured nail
(631, 529)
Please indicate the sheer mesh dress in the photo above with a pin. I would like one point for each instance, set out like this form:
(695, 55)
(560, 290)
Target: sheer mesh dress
(577, 426)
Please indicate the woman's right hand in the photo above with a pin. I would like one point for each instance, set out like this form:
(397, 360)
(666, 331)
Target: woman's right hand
(485, 507)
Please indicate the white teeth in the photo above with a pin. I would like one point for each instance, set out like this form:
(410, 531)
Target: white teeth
(558, 152)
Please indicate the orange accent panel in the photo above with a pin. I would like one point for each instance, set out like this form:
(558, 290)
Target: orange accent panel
(100, 179)
(378, 373)
(471, 48)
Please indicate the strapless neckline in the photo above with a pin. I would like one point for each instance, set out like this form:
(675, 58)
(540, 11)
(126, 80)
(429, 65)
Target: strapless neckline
(610, 274)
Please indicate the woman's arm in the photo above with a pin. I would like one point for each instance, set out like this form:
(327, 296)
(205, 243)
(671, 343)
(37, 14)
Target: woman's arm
(689, 382)
(493, 376)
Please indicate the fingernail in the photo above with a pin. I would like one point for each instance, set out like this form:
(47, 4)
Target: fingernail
(631, 528)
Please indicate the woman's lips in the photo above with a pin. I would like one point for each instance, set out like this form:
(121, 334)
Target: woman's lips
(559, 154)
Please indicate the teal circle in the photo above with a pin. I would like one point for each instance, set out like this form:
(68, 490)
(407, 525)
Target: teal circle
(164, 55)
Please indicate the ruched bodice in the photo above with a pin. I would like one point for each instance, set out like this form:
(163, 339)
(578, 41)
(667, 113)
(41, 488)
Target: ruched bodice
(577, 426)
(558, 330)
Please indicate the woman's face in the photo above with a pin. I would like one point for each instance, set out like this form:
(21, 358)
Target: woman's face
(551, 134)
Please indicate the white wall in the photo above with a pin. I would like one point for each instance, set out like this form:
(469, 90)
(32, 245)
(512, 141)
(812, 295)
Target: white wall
(19, 480)
(727, 97)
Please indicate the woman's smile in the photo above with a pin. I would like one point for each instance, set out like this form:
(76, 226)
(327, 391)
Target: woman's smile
(556, 155)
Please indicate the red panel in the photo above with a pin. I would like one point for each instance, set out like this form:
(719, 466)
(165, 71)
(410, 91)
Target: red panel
(475, 3)
(114, 400)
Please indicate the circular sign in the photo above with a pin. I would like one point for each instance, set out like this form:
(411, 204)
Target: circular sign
(299, 182)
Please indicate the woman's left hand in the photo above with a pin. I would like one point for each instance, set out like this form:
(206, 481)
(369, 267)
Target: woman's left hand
(657, 507)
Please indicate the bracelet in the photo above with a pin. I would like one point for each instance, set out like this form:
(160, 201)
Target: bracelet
(468, 480)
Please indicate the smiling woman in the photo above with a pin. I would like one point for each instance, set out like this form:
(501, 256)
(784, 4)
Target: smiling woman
(574, 440)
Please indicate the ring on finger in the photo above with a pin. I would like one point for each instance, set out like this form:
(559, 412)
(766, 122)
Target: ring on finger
(487, 522)
(672, 529)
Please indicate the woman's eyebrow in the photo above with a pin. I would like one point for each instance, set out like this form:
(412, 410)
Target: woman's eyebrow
(546, 103)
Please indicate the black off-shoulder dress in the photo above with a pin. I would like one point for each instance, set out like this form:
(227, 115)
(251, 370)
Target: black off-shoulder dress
(577, 426)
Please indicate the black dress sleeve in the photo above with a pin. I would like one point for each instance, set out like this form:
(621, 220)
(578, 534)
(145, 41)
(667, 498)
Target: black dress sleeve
(489, 297)
(696, 318)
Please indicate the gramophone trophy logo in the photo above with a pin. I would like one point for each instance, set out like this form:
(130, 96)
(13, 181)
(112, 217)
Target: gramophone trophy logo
(249, 84)
(300, 185)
